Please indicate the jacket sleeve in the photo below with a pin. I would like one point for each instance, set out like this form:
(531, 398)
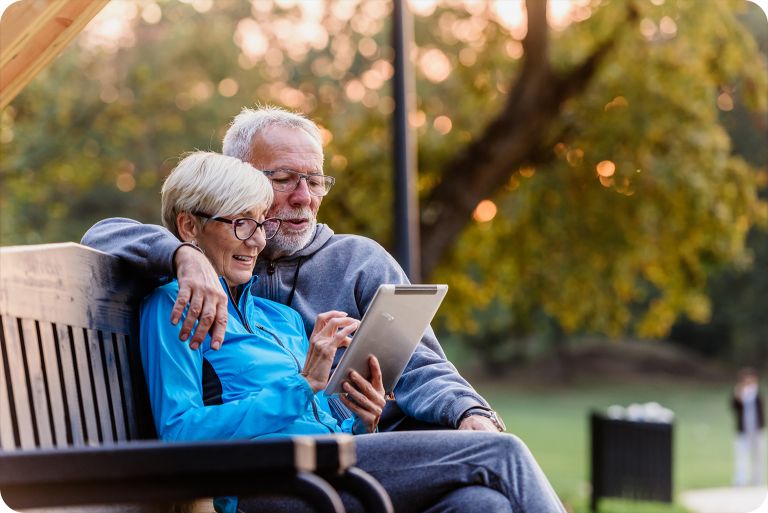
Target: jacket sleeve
(430, 388)
(174, 381)
(148, 248)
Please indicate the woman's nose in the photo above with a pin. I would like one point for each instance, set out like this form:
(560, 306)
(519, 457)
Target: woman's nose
(257, 239)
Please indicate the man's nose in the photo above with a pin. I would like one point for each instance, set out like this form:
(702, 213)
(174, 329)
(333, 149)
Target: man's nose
(300, 195)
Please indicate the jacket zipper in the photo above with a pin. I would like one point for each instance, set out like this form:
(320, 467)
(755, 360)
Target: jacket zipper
(280, 343)
(298, 369)
(244, 320)
(239, 314)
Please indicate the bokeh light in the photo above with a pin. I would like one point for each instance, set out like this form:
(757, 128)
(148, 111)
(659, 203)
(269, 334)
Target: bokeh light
(485, 211)
(606, 168)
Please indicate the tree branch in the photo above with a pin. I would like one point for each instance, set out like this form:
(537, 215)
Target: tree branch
(511, 140)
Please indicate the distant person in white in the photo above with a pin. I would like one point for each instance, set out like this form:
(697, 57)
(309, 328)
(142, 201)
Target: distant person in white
(749, 447)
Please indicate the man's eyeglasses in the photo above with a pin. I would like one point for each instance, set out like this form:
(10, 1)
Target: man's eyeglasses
(286, 180)
(245, 227)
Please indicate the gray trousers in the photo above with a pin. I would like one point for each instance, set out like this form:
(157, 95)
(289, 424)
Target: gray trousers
(442, 472)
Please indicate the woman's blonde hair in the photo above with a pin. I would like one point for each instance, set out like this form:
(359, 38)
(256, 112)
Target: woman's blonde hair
(214, 184)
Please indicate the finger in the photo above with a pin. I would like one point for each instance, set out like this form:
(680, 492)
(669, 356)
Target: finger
(330, 314)
(354, 407)
(334, 325)
(193, 312)
(362, 399)
(369, 417)
(376, 378)
(365, 387)
(325, 317)
(182, 300)
(341, 337)
(322, 319)
(204, 323)
(219, 326)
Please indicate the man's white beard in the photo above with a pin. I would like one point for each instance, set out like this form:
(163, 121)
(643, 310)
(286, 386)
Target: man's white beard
(287, 243)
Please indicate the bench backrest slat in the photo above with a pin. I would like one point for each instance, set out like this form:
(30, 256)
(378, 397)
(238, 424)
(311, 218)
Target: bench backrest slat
(37, 383)
(25, 430)
(69, 357)
(7, 437)
(74, 417)
(102, 403)
(56, 399)
(126, 385)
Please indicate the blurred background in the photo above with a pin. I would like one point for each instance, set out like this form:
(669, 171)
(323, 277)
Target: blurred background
(615, 252)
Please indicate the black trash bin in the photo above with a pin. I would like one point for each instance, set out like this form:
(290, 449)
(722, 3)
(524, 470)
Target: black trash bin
(631, 459)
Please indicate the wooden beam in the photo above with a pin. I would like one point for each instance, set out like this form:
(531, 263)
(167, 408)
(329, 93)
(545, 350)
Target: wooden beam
(33, 33)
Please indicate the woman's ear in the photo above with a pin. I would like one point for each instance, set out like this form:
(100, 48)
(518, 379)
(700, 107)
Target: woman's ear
(186, 225)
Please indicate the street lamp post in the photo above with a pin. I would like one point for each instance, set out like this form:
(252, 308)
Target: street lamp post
(406, 222)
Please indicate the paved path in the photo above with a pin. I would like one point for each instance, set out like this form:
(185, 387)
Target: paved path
(726, 500)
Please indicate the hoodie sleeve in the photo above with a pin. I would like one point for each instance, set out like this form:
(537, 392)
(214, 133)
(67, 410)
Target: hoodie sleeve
(430, 388)
(148, 248)
(174, 381)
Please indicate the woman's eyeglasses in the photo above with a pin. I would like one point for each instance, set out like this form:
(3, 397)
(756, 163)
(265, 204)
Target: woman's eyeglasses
(245, 227)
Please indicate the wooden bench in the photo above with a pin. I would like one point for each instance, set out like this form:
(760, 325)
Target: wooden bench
(75, 422)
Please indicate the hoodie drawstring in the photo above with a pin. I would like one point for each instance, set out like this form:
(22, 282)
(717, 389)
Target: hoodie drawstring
(295, 279)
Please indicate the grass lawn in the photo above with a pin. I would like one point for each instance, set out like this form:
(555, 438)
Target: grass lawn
(554, 424)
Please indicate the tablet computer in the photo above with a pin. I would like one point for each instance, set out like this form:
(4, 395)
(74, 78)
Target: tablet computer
(390, 330)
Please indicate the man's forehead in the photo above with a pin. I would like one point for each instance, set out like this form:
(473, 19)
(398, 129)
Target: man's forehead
(285, 135)
(286, 142)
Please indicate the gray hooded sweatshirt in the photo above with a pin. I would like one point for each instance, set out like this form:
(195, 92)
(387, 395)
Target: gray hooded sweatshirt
(333, 272)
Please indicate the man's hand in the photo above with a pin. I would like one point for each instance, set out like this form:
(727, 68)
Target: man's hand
(478, 423)
(366, 398)
(199, 287)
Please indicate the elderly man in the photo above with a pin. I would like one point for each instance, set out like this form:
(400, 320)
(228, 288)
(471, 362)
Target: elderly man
(306, 266)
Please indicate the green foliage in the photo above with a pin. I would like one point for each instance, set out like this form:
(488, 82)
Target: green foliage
(94, 135)
(633, 249)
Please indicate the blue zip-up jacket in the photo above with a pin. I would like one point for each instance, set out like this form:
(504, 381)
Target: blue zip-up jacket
(256, 373)
(258, 369)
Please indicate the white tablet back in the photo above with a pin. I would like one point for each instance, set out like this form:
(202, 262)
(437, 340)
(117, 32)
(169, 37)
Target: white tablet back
(390, 330)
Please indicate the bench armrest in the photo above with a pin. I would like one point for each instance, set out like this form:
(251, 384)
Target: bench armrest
(336, 457)
(159, 471)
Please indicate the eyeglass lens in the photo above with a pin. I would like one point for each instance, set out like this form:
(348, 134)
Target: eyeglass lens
(245, 227)
(286, 180)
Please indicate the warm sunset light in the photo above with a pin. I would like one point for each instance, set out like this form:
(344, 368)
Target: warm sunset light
(443, 124)
(725, 101)
(485, 211)
(435, 65)
(617, 102)
(606, 168)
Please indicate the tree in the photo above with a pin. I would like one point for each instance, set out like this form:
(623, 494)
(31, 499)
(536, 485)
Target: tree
(596, 141)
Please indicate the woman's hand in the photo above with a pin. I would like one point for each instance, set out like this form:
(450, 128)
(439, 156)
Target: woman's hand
(331, 331)
(365, 398)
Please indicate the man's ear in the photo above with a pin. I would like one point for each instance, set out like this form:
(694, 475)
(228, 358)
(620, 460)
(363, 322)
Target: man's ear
(186, 225)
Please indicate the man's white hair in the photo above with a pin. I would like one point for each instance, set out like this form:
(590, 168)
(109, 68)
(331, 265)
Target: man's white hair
(213, 184)
(250, 123)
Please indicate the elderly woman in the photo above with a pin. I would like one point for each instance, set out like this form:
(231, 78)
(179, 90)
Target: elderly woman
(266, 380)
